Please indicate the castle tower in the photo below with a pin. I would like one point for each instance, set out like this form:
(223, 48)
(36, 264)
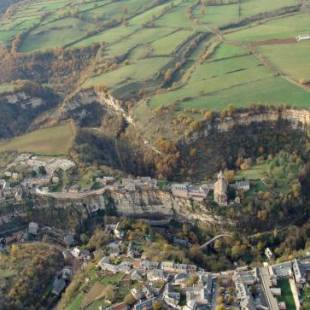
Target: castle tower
(220, 190)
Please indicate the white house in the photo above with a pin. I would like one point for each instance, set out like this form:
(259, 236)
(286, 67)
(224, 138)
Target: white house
(76, 252)
(33, 228)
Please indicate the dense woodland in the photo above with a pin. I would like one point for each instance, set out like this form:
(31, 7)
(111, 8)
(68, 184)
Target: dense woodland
(27, 273)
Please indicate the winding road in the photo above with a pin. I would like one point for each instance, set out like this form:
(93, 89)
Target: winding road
(72, 195)
(203, 246)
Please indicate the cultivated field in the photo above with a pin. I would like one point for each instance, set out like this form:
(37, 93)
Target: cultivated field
(187, 53)
(50, 141)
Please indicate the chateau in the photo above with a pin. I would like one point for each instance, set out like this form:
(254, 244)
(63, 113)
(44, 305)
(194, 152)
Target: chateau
(220, 190)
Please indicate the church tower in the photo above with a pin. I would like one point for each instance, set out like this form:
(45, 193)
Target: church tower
(220, 190)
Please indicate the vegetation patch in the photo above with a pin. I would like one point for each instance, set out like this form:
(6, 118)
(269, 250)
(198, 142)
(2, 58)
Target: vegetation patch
(48, 141)
(286, 294)
(27, 272)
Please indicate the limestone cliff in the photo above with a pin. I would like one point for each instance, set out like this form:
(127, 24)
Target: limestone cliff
(81, 103)
(140, 203)
(294, 118)
(155, 205)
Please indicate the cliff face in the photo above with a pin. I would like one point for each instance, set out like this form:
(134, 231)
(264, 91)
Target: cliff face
(297, 119)
(84, 99)
(221, 141)
(155, 205)
(140, 203)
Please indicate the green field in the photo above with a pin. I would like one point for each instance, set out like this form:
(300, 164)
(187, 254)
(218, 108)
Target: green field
(306, 296)
(286, 294)
(129, 74)
(209, 62)
(291, 59)
(50, 141)
(240, 81)
(279, 173)
(253, 7)
(88, 297)
(281, 28)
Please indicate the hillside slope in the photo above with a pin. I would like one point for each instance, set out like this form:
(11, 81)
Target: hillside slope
(139, 73)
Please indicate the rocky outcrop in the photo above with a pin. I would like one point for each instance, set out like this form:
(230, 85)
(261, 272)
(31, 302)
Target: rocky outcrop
(297, 119)
(140, 203)
(155, 205)
(85, 98)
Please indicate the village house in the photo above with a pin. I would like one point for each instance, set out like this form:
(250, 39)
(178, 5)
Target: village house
(106, 180)
(3, 184)
(149, 265)
(59, 285)
(140, 293)
(281, 271)
(241, 186)
(171, 297)
(85, 255)
(136, 275)
(69, 240)
(118, 233)
(66, 273)
(33, 228)
(181, 279)
(137, 293)
(199, 296)
(75, 252)
(187, 191)
(132, 251)
(32, 183)
(172, 267)
(146, 183)
(19, 194)
(8, 174)
(157, 275)
(15, 176)
(303, 37)
(129, 184)
(125, 267)
(114, 248)
(2, 188)
(145, 304)
(248, 277)
(2, 244)
(106, 265)
(269, 254)
(243, 295)
(180, 190)
(55, 180)
(299, 273)
(181, 242)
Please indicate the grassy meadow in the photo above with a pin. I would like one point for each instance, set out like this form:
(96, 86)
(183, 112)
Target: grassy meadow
(48, 141)
(211, 63)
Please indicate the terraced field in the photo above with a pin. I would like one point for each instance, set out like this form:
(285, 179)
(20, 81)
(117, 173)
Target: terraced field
(201, 55)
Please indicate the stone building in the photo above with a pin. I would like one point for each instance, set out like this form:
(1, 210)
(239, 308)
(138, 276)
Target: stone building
(220, 190)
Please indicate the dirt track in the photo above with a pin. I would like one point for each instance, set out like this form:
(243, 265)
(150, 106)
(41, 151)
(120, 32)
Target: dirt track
(275, 42)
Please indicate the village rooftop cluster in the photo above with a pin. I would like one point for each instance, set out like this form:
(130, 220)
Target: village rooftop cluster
(41, 176)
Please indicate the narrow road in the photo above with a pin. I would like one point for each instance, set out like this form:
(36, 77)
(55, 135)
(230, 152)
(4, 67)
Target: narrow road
(203, 246)
(73, 195)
